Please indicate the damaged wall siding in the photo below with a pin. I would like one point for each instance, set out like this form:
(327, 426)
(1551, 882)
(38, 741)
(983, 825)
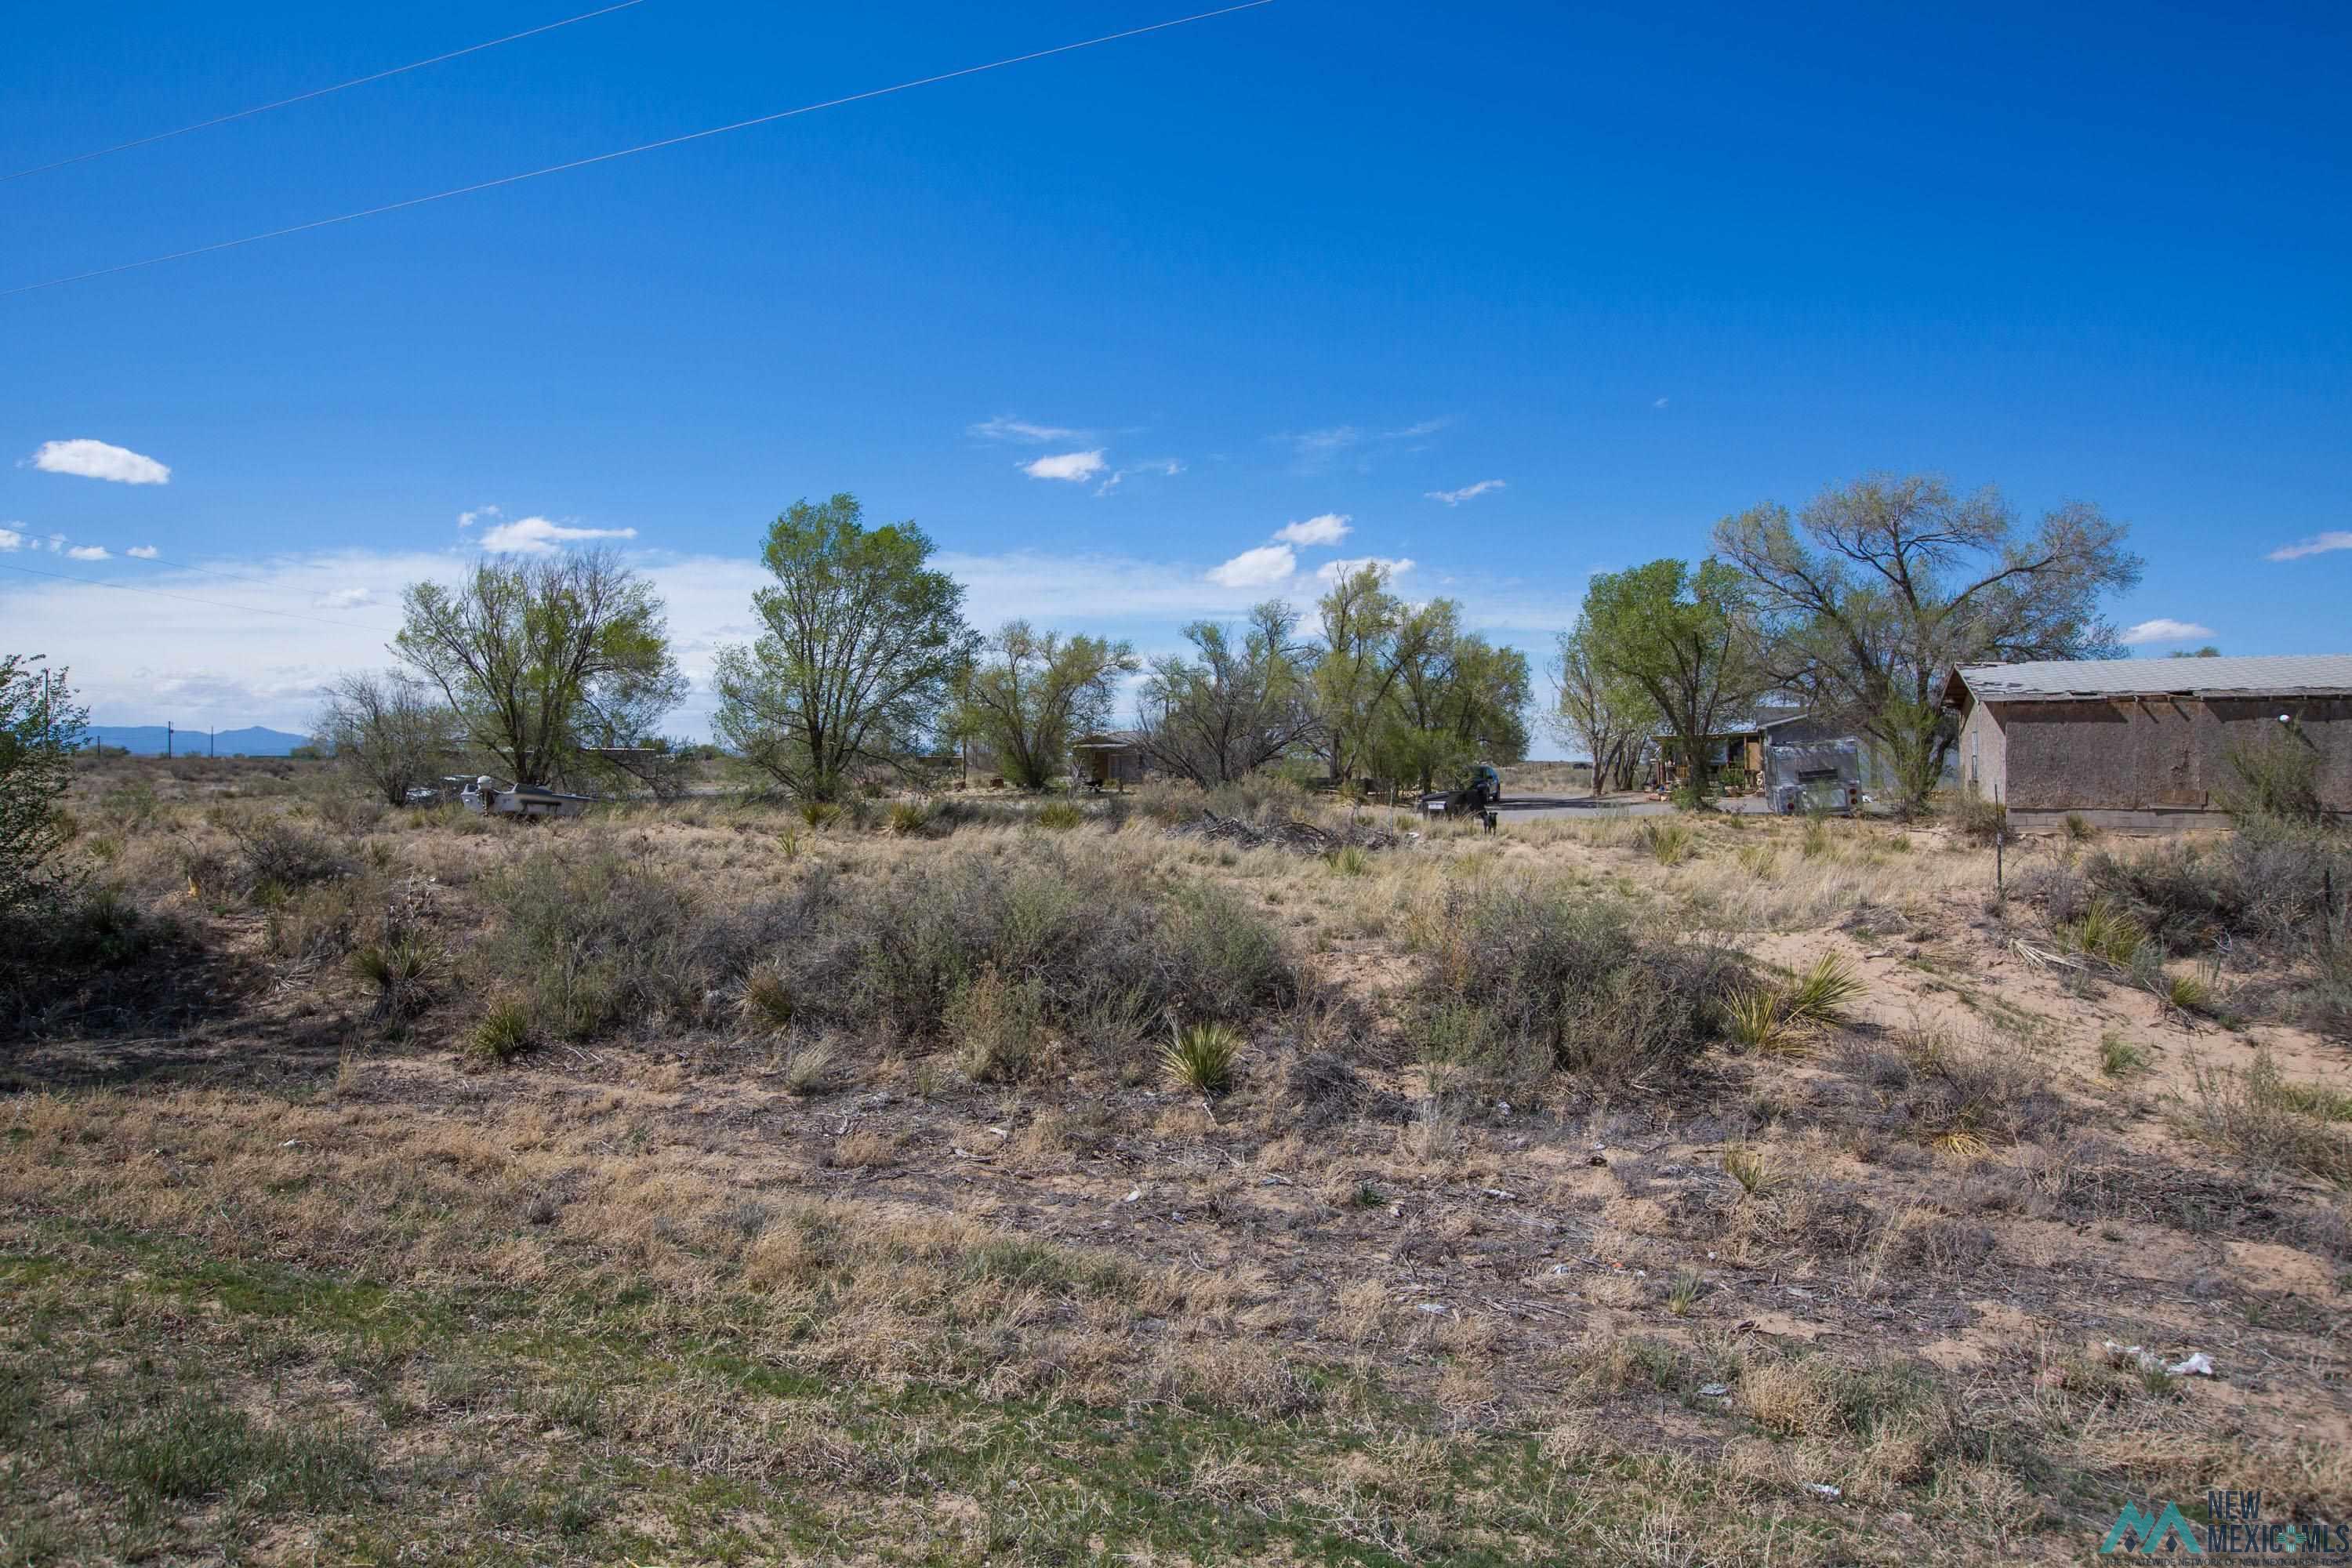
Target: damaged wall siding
(2152, 754)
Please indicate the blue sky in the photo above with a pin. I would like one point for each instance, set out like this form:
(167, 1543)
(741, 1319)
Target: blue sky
(1642, 267)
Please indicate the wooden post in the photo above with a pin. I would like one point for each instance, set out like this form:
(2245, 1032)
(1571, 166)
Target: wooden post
(2000, 876)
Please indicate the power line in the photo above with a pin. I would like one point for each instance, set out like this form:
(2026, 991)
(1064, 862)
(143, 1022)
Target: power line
(629, 152)
(314, 92)
(190, 598)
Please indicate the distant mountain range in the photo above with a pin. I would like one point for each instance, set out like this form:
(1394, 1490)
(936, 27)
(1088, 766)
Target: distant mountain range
(147, 740)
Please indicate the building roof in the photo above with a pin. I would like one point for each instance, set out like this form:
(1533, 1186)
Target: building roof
(2054, 679)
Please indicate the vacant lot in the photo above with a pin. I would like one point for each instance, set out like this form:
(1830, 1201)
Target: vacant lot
(715, 1185)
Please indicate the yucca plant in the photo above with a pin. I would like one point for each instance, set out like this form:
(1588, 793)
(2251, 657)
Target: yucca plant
(1824, 993)
(1755, 1021)
(767, 999)
(503, 1032)
(2104, 932)
(1668, 841)
(397, 967)
(906, 819)
(1752, 1167)
(1060, 816)
(1201, 1056)
(1685, 1292)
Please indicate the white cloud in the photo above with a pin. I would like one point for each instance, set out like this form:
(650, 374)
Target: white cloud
(1259, 568)
(11, 540)
(1072, 466)
(1317, 444)
(468, 519)
(96, 460)
(1166, 467)
(1661, 403)
(2317, 544)
(537, 536)
(1467, 492)
(142, 552)
(1327, 529)
(346, 599)
(1004, 429)
(86, 553)
(2163, 629)
(1332, 570)
(1415, 432)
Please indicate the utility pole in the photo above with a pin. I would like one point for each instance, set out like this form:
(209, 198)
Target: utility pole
(210, 750)
(167, 737)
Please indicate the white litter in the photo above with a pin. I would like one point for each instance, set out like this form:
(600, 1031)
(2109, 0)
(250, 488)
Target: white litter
(1133, 1196)
(2197, 1363)
(1715, 1390)
(1819, 1488)
(1498, 1192)
(1434, 1308)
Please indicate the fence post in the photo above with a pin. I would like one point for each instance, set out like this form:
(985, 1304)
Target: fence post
(2000, 874)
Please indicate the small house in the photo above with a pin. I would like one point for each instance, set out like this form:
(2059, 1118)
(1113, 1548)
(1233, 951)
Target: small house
(1107, 759)
(2146, 744)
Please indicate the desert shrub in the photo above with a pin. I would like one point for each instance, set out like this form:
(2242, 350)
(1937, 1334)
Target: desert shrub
(2275, 781)
(272, 856)
(1963, 1094)
(1061, 815)
(1541, 978)
(998, 1026)
(906, 819)
(1103, 956)
(595, 939)
(1978, 820)
(2288, 889)
(2269, 1123)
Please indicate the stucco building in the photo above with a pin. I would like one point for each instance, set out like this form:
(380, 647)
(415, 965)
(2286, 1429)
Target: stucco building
(2145, 744)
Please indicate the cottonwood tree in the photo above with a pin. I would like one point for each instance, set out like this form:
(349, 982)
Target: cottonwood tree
(1034, 692)
(40, 728)
(538, 658)
(388, 729)
(864, 651)
(1869, 596)
(1244, 699)
(1607, 716)
(1368, 637)
(1684, 639)
(1457, 699)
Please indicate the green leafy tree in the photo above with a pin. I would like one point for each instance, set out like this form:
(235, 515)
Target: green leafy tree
(862, 652)
(388, 730)
(1869, 598)
(40, 727)
(1683, 638)
(1457, 699)
(1244, 699)
(1607, 717)
(1367, 638)
(540, 658)
(1034, 692)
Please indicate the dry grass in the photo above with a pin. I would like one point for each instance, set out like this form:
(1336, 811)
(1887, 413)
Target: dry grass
(901, 1244)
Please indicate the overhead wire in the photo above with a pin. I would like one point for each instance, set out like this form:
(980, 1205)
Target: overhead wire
(630, 151)
(314, 92)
